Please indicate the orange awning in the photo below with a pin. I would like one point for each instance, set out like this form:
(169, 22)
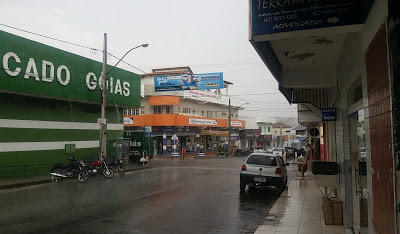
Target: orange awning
(164, 101)
(182, 120)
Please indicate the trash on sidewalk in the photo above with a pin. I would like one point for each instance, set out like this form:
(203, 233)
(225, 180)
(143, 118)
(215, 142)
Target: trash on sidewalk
(332, 209)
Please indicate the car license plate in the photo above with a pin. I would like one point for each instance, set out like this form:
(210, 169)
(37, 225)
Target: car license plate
(260, 179)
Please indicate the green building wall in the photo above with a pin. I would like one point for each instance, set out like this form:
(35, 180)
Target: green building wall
(36, 110)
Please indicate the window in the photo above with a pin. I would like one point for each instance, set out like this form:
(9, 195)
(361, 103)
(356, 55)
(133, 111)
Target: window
(167, 110)
(264, 160)
(157, 109)
(142, 110)
(202, 113)
(269, 129)
(186, 110)
(132, 111)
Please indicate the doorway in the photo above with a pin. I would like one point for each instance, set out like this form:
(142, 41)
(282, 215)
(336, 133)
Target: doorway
(359, 173)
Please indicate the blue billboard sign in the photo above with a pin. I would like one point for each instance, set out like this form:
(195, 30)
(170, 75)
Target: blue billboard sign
(277, 16)
(225, 138)
(328, 114)
(189, 82)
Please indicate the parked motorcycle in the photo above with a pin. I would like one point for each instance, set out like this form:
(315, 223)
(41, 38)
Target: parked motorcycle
(222, 154)
(117, 165)
(75, 168)
(100, 166)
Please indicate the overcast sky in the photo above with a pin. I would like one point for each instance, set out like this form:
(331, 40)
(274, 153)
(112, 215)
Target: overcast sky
(207, 35)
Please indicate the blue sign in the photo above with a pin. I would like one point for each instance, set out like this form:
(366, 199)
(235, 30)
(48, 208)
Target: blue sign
(328, 114)
(225, 138)
(189, 82)
(276, 16)
(148, 134)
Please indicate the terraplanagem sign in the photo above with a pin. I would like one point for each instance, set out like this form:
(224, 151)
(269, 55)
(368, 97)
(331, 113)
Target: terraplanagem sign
(30, 67)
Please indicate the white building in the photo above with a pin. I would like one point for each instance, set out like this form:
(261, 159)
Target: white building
(197, 119)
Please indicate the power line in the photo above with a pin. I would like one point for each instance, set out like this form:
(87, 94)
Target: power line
(52, 38)
(71, 43)
(145, 73)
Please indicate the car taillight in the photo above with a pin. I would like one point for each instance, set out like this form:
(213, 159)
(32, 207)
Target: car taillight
(244, 168)
(278, 171)
(242, 151)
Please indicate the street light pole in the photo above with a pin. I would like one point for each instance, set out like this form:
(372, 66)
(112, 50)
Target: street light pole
(230, 124)
(103, 128)
(103, 131)
(229, 128)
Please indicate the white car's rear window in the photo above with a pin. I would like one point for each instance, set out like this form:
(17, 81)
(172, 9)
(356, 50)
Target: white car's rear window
(259, 159)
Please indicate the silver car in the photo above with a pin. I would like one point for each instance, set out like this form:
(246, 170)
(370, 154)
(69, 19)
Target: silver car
(263, 169)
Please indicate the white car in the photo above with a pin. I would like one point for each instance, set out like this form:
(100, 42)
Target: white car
(263, 169)
(281, 152)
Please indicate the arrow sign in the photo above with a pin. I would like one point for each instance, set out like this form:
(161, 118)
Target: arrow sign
(333, 20)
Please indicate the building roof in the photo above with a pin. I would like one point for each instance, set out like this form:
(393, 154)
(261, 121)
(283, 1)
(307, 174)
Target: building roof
(186, 69)
(299, 128)
(278, 125)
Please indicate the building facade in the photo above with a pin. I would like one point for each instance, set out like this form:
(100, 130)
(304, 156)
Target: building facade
(195, 119)
(339, 60)
(50, 103)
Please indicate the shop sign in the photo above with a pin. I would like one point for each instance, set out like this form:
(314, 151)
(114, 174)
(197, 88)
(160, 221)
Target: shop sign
(202, 94)
(33, 68)
(101, 121)
(225, 138)
(189, 82)
(250, 133)
(328, 114)
(257, 132)
(128, 120)
(193, 121)
(270, 16)
(236, 123)
(213, 133)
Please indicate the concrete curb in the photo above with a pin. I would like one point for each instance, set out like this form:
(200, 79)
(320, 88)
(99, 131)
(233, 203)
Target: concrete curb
(47, 180)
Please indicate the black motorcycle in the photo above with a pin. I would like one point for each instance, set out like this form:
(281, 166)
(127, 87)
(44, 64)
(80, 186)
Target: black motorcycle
(73, 169)
(116, 165)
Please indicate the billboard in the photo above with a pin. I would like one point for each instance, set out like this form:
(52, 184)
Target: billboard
(268, 17)
(32, 68)
(189, 82)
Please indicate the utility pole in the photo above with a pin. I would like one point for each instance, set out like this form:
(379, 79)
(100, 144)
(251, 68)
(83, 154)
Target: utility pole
(103, 131)
(229, 128)
(280, 137)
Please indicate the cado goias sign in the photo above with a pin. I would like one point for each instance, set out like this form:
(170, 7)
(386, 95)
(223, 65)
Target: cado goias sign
(32, 68)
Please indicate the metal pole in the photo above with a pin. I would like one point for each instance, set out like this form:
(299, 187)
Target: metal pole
(229, 129)
(103, 132)
(280, 137)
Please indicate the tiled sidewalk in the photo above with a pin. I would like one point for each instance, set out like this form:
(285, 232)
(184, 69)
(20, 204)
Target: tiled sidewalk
(298, 210)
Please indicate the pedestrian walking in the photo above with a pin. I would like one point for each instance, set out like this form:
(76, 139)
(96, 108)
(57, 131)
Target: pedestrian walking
(183, 153)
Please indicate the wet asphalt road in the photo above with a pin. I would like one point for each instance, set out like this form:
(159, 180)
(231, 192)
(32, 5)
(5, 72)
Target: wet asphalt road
(200, 196)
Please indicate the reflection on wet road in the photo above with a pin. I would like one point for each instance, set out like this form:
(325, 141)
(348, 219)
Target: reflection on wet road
(200, 196)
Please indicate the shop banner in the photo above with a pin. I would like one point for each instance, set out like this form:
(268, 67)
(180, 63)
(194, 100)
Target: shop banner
(189, 82)
(193, 121)
(236, 124)
(225, 138)
(213, 133)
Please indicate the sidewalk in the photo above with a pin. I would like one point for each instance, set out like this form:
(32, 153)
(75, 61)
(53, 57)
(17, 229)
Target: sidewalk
(16, 183)
(298, 210)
